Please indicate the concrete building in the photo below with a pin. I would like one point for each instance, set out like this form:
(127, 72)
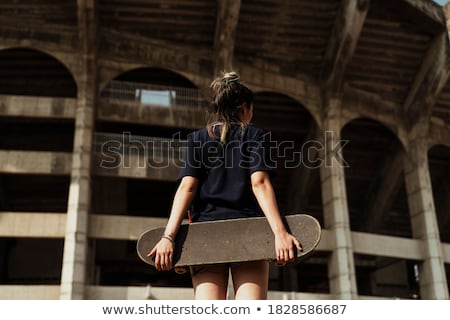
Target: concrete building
(96, 97)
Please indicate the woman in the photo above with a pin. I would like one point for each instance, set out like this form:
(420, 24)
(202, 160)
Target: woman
(226, 176)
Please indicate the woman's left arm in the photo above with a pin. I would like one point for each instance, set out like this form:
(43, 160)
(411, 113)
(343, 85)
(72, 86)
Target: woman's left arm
(163, 251)
(265, 195)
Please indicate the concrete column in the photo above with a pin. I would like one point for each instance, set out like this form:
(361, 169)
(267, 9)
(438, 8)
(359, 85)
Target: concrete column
(76, 246)
(432, 277)
(224, 39)
(341, 269)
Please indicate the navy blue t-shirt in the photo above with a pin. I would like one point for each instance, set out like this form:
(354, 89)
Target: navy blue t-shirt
(224, 172)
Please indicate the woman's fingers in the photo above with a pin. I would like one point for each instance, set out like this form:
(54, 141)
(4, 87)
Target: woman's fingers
(291, 254)
(163, 256)
(152, 253)
(167, 261)
(280, 255)
(298, 245)
(163, 262)
(287, 253)
(283, 255)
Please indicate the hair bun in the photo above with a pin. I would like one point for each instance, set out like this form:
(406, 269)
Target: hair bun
(229, 77)
(222, 82)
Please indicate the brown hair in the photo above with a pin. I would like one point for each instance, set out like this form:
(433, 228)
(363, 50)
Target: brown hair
(229, 95)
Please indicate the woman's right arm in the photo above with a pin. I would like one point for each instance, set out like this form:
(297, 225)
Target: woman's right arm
(163, 251)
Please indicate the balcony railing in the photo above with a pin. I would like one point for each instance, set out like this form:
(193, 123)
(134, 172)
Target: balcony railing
(156, 95)
(149, 147)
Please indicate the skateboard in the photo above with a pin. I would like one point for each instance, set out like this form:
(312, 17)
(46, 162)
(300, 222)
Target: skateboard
(234, 240)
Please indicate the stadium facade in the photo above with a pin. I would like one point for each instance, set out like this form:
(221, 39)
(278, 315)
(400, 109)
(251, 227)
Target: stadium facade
(97, 97)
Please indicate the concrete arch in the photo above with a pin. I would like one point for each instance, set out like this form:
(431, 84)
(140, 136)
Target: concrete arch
(302, 88)
(110, 74)
(141, 73)
(64, 64)
(440, 145)
(439, 134)
(375, 178)
(389, 127)
(145, 75)
(154, 76)
(393, 127)
(69, 61)
(188, 101)
(292, 113)
(314, 116)
(293, 128)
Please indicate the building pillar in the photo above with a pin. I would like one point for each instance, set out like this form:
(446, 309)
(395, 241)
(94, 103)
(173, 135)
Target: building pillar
(76, 245)
(224, 39)
(432, 277)
(341, 266)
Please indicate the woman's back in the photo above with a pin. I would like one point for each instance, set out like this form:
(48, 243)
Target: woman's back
(224, 171)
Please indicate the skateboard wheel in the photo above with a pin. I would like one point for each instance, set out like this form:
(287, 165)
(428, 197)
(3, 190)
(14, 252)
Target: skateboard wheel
(180, 270)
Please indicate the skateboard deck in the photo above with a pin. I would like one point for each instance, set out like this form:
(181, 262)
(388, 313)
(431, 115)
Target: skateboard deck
(226, 241)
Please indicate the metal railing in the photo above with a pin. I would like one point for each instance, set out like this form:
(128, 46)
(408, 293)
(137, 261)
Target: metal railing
(149, 147)
(150, 94)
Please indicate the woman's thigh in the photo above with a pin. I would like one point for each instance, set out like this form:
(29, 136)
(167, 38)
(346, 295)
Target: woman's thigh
(250, 280)
(210, 282)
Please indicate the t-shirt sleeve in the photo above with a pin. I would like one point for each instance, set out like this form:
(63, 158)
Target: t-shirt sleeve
(192, 161)
(260, 153)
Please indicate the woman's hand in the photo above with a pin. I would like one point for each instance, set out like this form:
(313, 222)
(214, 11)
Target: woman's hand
(284, 247)
(163, 252)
